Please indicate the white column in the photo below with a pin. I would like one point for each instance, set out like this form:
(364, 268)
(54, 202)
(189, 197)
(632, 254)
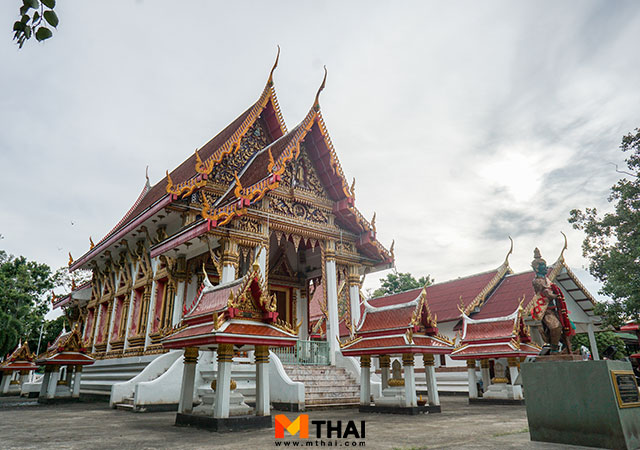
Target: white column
(263, 407)
(262, 260)
(409, 380)
(188, 380)
(223, 392)
(53, 382)
(46, 379)
(84, 329)
(385, 362)
(430, 375)
(178, 303)
(332, 300)
(513, 373)
(365, 380)
(6, 379)
(77, 376)
(354, 294)
(302, 315)
(132, 297)
(229, 260)
(471, 371)
(96, 326)
(592, 342)
(486, 374)
(152, 310)
(112, 319)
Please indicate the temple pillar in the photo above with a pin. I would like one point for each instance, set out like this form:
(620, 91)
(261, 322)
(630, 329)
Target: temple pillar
(53, 382)
(385, 363)
(409, 380)
(513, 373)
(24, 377)
(46, 378)
(354, 295)
(365, 380)
(302, 314)
(130, 307)
(96, 324)
(111, 316)
(152, 309)
(176, 317)
(473, 384)
(486, 374)
(188, 380)
(430, 375)
(77, 376)
(223, 388)
(263, 407)
(592, 342)
(229, 260)
(6, 379)
(332, 299)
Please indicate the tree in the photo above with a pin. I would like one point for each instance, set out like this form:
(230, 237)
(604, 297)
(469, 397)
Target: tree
(400, 282)
(612, 242)
(603, 340)
(23, 303)
(34, 17)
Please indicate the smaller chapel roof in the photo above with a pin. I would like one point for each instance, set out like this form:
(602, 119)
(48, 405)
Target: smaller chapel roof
(19, 359)
(395, 329)
(66, 349)
(496, 337)
(241, 312)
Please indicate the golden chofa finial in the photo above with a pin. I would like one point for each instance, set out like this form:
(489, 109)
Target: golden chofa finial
(373, 222)
(146, 175)
(353, 188)
(506, 259)
(91, 244)
(561, 257)
(316, 103)
(275, 64)
(70, 259)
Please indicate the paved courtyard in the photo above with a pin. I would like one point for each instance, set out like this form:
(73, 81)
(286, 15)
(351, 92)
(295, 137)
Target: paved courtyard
(25, 424)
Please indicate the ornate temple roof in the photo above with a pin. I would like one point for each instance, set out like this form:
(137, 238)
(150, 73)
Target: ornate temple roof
(20, 359)
(66, 349)
(190, 175)
(394, 329)
(496, 337)
(241, 312)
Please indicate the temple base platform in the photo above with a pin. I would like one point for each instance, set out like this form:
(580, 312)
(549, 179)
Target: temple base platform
(234, 423)
(57, 400)
(409, 410)
(495, 401)
(590, 403)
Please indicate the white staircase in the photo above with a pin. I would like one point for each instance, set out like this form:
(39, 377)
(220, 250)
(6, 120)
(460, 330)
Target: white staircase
(98, 378)
(326, 386)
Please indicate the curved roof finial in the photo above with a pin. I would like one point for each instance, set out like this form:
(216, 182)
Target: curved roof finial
(275, 64)
(146, 175)
(506, 259)
(316, 103)
(561, 257)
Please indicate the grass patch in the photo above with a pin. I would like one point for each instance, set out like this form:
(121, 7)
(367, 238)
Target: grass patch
(508, 433)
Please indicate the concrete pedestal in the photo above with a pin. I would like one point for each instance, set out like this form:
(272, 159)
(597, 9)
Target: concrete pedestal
(576, 402)
(237, 423)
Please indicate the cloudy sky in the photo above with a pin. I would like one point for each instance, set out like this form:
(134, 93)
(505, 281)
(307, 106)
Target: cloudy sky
(463, 122)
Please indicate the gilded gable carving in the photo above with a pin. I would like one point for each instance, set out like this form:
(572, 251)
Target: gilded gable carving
(253, 141)
(298, 210)
(301, 174)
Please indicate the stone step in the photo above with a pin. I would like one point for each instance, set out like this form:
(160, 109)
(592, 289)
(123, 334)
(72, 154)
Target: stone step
(125, 406)
(321, 406)
(345, 388)
(332, 401)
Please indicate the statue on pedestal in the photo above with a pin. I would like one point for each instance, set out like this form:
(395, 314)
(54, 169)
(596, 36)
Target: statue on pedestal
(550, 308)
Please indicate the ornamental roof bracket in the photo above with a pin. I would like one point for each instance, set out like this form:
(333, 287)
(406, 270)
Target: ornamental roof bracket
(316, 102)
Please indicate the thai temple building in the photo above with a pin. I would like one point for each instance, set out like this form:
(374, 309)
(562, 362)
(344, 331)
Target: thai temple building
(256, 195)
(237, 276)
(16, 370)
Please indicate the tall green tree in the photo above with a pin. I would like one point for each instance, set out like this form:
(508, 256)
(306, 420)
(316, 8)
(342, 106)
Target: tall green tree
(394, 283)
(23, 300)
(612, 242)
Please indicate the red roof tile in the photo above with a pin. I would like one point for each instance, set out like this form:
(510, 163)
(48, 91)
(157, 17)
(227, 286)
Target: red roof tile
(507, 296)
